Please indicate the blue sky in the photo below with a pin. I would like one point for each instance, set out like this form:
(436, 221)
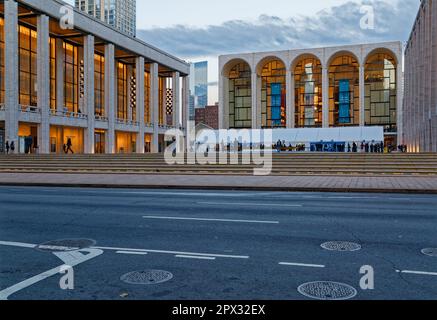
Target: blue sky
(197, 30)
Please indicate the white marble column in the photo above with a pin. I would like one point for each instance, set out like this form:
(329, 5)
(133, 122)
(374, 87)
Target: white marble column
(176, 99)
(89, 109)
(110, 96)
(400, 107)
(325, 98)
(11, 71)
(60, 66)
(290, 100)
(362, 97)
(255, 110)
(139, 72)
(43, 83)
(154, 105)
(185, 102)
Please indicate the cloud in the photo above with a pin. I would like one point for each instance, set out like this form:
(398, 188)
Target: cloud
(334, 26)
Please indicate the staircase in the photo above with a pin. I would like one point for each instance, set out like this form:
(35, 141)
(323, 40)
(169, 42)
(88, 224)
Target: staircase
(424, 164)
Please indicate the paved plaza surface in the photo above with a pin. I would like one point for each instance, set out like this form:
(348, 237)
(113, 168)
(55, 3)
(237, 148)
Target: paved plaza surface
(215, 244)
(377, 184)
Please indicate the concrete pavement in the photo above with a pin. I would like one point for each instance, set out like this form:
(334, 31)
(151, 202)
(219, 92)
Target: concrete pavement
(378, 184)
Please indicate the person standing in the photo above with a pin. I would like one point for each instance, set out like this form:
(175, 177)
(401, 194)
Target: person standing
(12, 147)
(7, 147)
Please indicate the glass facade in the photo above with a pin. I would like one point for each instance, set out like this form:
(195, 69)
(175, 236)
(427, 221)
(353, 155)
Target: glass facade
(240, 97)
(344, 89)
(125, 142)
(27, 46)
(273, 95)
(99, 85)
(161, 100)
(122, 96)
(308, 93)
(99, 142)
(71, 74)
(52, 74)
(381, 92)
(2, 61)
(147, 114)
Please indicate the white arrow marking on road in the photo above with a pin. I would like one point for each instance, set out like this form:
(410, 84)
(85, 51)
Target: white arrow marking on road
(71, 259)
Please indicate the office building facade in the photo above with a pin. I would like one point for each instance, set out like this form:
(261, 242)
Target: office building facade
(89, 86)
(346, 86)
(420, 101)
(120, 14)
(198, 86)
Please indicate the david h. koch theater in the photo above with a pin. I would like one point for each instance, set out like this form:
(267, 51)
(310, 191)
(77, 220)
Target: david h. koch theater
(347, 94)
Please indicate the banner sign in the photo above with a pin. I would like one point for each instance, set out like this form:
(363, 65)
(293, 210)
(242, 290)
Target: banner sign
(344, 102)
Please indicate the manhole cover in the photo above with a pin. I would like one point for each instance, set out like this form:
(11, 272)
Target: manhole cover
(432, 252)
(147, 277)
(327, 290)
(341, 246)
(65, 245)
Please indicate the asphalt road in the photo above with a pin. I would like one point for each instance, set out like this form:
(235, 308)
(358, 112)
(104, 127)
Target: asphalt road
(217, 245)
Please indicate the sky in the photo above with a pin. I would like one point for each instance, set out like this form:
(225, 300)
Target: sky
(196, 30)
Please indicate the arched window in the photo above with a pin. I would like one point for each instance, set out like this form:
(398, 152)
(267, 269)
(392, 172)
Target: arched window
(381, 91)
(273, 95)
(308, 93)
(344, 92)
(240, 96)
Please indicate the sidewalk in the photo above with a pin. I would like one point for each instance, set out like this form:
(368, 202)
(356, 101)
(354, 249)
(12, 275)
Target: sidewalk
(390, 184)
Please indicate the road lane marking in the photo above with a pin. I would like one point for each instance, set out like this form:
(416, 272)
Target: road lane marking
(194, 257)
(293, 264)
(173, 252)
(71, 259)
(133, 253)
(423, 273)
(211, 220)
(17, 244)
(251, 204)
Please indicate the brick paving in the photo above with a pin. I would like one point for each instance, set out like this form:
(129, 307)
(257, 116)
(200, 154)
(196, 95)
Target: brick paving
(391, 184)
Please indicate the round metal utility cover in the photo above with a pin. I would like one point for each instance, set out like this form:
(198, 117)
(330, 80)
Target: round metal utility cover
(327, 290)
(65, 245)
(432, 252)
(147, 277)
(341, 246)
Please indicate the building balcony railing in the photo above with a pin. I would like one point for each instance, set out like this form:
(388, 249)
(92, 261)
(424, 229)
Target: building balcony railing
(29, 109)
(127, 122)
(166, 127)
(101, 118)
(148, 125)
(68, 114)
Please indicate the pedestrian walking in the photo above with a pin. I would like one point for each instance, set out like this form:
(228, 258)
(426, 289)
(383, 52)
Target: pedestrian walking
(12, 147)
(69, 146)
(7, 147)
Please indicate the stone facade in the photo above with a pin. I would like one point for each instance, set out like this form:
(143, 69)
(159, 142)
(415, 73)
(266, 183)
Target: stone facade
(420, 102)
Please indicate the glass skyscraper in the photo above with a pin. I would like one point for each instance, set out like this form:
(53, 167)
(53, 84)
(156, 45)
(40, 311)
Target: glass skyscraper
(198, 86)
(120, 14)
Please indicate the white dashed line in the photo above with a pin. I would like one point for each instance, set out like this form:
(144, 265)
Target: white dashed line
(194, 257)
(250, 204)
(423, 273)
(210, 220)
(133, 253)
(292, 264)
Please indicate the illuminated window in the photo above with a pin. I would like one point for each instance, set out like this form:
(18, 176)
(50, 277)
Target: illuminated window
(240, 97)
(344, 92)
(161, 99)
(308, 93)
(147, 115)
(122, 91)
(71, 82)
(52, 73)
(27, 45)
(381, 92)
(99, 85)
(2, 62)
(273, 95)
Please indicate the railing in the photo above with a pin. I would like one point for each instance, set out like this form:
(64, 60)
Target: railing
(29, 109)
(69, 114)
(127, 122)
(166, 127)
(101, 118)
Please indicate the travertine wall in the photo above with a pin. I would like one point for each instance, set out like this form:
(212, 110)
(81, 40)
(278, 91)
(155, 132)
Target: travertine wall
(420, 101)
